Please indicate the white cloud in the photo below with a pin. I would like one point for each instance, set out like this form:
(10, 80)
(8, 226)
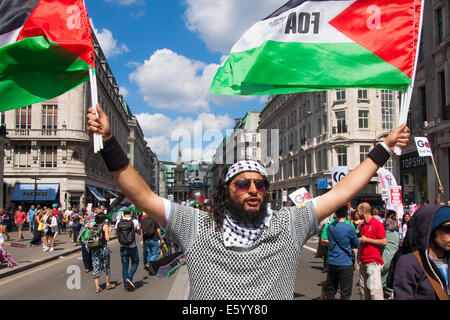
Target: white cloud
(160, 145)
(108, 43)
(123, 91)
(171, 81)
(220, 23)
(200, 136)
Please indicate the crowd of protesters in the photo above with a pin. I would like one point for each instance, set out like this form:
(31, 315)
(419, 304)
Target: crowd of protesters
(380, 236)
(46, 224)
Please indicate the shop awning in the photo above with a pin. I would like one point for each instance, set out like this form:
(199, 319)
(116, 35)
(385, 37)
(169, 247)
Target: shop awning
(96, 193)
(44, 192)
(113, 193)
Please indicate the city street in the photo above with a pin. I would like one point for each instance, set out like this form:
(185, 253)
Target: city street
(65, 279)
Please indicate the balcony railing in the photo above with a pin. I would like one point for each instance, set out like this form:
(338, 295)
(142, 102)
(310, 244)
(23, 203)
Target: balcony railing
(340, 129)
(60, 134)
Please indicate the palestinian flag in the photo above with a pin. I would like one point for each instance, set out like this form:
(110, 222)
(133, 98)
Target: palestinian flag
(315, 45)
(46, 49)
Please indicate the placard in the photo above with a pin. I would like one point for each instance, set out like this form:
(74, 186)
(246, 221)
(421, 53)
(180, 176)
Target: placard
(300, 196)
(423, 147)
(338, 173)
(396, 196)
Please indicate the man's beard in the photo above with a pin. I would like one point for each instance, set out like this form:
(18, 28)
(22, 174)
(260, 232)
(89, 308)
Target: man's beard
(249, 217)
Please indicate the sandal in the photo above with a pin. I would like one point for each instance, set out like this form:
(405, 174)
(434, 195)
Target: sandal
(110, 286)
(98, 290)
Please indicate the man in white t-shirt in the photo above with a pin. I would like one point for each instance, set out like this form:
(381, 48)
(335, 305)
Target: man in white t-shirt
(127, 229)
(241, 250)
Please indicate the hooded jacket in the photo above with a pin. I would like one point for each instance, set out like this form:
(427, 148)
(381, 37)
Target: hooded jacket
(410, 280)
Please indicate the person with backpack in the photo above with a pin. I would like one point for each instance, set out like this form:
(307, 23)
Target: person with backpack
(97, 240)
(421, 272)
(126, 229)
(341, 238)
(151, 240)
(86, 252)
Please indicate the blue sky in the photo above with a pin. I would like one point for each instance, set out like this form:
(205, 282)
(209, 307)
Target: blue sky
(164, 54)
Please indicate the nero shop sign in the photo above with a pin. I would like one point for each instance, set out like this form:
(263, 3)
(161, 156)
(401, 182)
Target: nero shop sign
(412, 161)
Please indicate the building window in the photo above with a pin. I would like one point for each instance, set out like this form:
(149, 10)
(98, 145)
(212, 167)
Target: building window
(319, 160)
(342, 156)
(254, 153)
(387, 110)
(444, 107)
(363, 152)
(319, 126)
(49, 117)
(21, 156)
(421, 48)
(340, 94)
(309, 164)
(325, 160)
(49, 156)
(423, 102)
(23, 118)
(389, 165)
(363, 119)
(341, 123)
(362, 94)
(440, 26)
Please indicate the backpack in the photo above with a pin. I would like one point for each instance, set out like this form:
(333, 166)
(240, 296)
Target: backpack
(96, 237)
(149, 229)
(125, 229)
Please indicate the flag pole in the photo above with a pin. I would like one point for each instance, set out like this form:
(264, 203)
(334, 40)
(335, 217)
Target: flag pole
(406, 96)
(435, 170)
(98, 142)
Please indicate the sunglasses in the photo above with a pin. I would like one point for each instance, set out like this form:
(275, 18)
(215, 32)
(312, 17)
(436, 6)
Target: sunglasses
(243, 185)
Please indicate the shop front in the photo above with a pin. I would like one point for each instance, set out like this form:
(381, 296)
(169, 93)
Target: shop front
(44, 194)
(413, 178)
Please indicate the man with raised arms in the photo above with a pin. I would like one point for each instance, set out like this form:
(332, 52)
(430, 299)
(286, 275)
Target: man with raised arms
(242, 249)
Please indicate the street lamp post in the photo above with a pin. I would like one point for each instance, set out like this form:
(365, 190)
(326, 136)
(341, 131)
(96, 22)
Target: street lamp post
(35, 189)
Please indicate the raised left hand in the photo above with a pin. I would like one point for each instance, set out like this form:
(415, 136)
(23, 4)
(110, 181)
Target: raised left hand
(398, 137)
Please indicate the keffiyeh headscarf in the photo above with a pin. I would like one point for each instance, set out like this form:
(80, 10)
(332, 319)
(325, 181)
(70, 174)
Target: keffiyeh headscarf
(245, 165)
(236, 235)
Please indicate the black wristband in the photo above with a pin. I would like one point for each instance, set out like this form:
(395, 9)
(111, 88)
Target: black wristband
(379, 155)
(113, 155)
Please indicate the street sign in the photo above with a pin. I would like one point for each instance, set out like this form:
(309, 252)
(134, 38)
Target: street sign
(322, 183)
(338, 173)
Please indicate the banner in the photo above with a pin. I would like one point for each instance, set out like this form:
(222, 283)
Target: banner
(387, 181)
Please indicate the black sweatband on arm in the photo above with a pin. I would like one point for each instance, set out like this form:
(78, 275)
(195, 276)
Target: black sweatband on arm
(113, 155)
(379, 155)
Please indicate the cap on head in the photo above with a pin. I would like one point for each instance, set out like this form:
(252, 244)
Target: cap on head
(441, 216)
(243, 166)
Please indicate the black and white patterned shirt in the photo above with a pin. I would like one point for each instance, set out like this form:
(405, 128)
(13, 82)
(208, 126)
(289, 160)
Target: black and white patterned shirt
(264, 270)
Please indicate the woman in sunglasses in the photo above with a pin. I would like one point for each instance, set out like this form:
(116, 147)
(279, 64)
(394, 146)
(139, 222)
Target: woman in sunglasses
(242, 250)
